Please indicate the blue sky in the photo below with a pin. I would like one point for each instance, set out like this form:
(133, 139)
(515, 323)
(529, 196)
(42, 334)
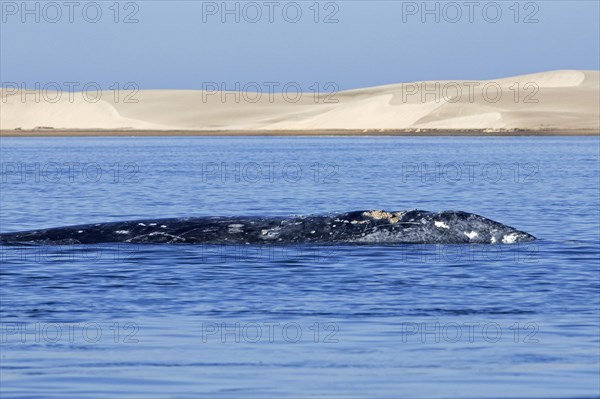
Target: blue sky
(185, 44)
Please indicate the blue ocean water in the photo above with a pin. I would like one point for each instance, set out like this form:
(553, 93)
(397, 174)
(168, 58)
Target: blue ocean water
(190, 321)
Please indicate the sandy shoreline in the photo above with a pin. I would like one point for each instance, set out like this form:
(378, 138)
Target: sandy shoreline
(273, 133)
(565, 102)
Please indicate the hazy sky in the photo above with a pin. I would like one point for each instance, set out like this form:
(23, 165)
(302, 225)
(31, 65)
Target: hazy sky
(185, 44)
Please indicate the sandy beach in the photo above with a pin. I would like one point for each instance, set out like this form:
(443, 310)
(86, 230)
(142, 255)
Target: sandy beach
(565, 102)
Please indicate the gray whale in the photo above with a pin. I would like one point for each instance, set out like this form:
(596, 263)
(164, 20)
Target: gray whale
(358, 227)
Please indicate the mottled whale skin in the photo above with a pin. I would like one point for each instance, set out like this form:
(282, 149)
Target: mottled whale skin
(358, 227)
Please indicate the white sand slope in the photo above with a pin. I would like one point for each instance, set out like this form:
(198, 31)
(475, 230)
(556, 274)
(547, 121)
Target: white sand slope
(557, 100)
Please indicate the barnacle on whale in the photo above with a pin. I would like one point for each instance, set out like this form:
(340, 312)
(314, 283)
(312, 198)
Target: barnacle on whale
(392, 217)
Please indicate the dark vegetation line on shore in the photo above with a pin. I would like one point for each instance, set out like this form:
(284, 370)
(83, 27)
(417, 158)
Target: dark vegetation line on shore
(328, 132)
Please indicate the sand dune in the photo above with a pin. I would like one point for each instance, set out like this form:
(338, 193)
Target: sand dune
(557, 100)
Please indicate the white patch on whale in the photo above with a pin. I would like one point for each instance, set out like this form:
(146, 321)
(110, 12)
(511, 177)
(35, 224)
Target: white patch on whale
(510, 238)
(441, 225)
(361, 222)
(471, 235)
(235, 228)
(271, 233)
